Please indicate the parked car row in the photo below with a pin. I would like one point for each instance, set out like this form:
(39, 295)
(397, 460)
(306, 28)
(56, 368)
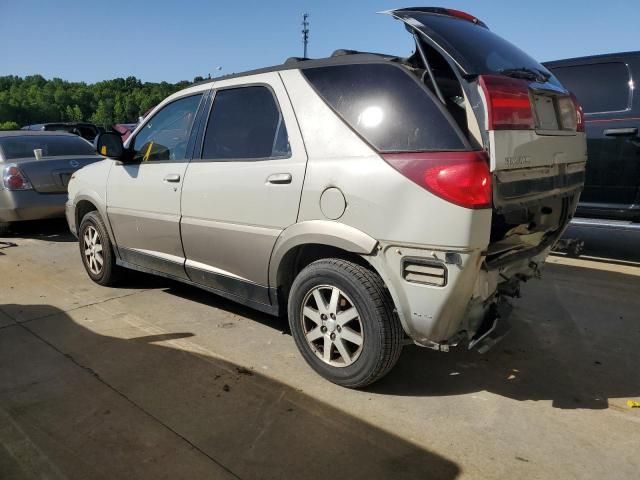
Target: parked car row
(82, 129)
(373, 199)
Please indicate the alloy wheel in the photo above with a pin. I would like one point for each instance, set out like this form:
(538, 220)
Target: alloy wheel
(93, 250)
(332, 326)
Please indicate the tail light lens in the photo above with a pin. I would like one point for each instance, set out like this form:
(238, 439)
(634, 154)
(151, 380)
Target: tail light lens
(568, 113)
(13, 178)
(462, 178)
(579, 114)
(508, 102)
(462, 15)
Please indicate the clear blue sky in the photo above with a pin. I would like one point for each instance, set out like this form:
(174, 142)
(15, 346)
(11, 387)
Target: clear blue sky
(91, 40)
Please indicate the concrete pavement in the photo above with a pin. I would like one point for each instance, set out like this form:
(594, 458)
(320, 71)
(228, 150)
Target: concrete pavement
(161, 380)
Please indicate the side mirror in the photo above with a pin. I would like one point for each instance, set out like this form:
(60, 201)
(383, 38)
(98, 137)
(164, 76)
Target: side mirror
(110, 145)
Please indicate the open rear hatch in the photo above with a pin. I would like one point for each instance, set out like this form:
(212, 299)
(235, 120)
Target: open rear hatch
(511, 106)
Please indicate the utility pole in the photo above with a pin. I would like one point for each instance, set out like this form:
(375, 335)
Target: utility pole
(305, 32)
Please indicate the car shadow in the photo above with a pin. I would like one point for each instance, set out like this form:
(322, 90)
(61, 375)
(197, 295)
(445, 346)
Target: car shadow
(574, 335)
(573, 342)
(54, 230)
(229, 417)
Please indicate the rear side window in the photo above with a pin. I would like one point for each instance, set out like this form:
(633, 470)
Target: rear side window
(385, 106)
(245, 124)
(602, 87)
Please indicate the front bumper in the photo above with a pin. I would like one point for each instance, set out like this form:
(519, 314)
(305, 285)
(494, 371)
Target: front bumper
(19, 205)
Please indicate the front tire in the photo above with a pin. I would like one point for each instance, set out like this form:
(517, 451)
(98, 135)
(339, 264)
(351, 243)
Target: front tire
(96, 251)
(343, 321)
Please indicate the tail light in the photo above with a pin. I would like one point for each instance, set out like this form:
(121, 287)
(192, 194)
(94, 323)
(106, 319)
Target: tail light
(462, 15)
(14, 179)
(462, 178)
(579, 114)
(508, 103)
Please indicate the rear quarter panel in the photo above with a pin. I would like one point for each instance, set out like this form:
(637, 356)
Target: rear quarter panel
(381, 202)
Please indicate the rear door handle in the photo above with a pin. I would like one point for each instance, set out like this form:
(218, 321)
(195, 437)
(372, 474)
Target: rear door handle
(621, 132)
(279, 178)
(172, 177)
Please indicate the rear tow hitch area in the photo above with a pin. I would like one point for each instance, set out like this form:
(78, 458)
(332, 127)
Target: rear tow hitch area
(494, 327)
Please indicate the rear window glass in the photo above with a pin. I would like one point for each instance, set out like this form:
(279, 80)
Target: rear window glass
(53, 146)
(602, 87)
(385, 106)
(476, 48)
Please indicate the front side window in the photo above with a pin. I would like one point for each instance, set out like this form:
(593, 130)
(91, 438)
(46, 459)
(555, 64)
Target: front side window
(245, 124)
(602, 87)
(166, 135)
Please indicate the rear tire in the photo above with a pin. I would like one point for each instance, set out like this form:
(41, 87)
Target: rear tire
(96, 251)
(343, 321)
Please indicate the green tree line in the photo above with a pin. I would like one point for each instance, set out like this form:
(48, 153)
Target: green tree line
(34, 99)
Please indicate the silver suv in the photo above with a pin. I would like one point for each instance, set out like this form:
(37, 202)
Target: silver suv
(376, 200)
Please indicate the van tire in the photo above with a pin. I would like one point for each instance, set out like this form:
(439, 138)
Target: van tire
(109, 274)
(382, 333)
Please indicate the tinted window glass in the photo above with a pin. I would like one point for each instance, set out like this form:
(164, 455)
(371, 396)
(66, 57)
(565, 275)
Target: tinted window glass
(245, 123)
(477, 48)
(602, 87)
(166, 135)
(53, 146)
(385, 106)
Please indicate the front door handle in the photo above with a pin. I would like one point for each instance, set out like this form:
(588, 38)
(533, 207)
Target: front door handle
(279, 178)
(621, 132)
(172, 177)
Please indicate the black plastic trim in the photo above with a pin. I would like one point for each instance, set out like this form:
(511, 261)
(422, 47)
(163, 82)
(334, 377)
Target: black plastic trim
(250, 291)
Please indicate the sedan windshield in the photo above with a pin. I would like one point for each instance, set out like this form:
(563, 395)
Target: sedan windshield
(51, 146)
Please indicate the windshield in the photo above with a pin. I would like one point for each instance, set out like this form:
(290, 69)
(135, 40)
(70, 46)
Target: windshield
(476, 49)
(51, 146)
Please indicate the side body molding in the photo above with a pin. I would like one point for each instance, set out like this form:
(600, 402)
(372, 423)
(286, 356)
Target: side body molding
(321, 232)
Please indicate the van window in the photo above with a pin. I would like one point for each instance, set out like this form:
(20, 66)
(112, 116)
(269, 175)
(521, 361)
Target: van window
(245, 124)
(600, 87)
(385, 106)
(165, 136)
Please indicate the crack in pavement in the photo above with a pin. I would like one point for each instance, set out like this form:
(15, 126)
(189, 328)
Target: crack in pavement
(99, 302)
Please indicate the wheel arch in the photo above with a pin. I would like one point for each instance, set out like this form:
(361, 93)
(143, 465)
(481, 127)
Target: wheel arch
(305, 242)
(85, 203)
